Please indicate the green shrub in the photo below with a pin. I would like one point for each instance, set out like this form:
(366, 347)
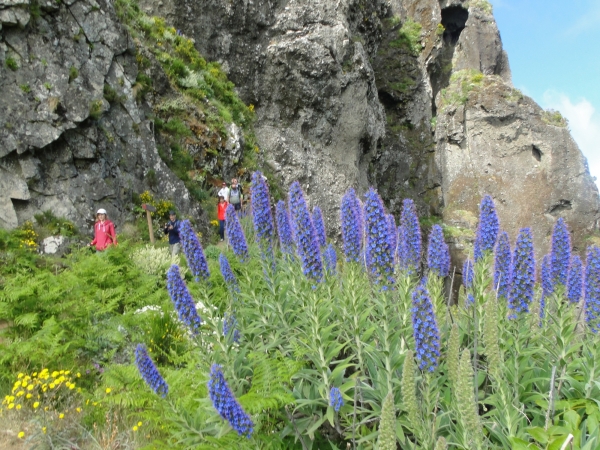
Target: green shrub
(555, 118)
(461, 84)
(409, 37)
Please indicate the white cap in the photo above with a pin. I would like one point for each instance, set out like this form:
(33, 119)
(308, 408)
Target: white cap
(101, 211)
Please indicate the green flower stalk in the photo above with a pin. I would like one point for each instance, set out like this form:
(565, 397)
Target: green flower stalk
(387, 425)
(466, 404)
(441, 444)
(453, 356)
(408, 387)
(490, 336)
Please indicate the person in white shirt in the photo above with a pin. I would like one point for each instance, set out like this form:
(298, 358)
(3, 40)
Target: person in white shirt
(224, 192)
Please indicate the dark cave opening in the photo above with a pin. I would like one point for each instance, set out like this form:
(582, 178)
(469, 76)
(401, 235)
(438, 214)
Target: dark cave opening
(454, 20)
(536, 153)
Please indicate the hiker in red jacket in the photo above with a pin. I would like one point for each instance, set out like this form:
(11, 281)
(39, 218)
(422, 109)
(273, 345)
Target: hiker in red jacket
(104, 231)
(221, 207)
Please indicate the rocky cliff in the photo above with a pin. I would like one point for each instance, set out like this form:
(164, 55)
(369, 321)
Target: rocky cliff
(411, 96)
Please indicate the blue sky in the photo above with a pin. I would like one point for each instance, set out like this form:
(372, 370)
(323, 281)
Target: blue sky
(554, 53)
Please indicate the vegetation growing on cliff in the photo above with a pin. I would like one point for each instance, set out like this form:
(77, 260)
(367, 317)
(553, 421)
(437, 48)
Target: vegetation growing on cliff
(552, 117)
(194, 125)
(461, 84)
(409, 37)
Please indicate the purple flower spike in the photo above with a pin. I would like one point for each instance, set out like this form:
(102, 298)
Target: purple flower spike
(235, 233)
(410, 247)
(182, 300)
(379, 252)
(149, 372)
(392, 234)
(286, 239)
(317, 218)
(261, 208)
(592, 289)
(230, 323)
(574, 283)
(425, 330)
(307, 244)
(228, 274)
(468, 273)
(352, 230)
(335, 399)
(502, 264)
(438, 253)
(487, 230)
(547, 284)
(330, 259)
(194, 254)
(522, 274)
(561, 252)
(226, 404)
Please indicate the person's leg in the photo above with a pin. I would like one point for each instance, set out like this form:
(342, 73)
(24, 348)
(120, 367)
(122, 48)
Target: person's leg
(222, 229)
(237, 206)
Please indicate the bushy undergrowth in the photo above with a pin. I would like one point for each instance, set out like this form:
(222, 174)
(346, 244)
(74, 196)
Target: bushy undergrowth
(275, 356)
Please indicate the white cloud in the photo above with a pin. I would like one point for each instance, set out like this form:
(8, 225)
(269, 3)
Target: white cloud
(584, 123)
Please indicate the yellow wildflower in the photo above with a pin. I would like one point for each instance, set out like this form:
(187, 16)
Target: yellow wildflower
(18, 407)
(30, 387)
(20, 393)
(135, 428)
(78, 375)
(54, 374)
(139, 424)
(61, 416)
(20, 375)
(28, 396)
(44, 430)
(36, 404)
(11, 405)
(21, 434)
(78, 410)
(108, 390)
(51, 385)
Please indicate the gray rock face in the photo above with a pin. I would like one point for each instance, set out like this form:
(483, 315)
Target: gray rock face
(63, 147)
(344, 96)
(498, 144)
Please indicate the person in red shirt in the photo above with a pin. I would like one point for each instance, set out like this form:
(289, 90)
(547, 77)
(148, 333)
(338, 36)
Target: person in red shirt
(104, 231)
(221, 207)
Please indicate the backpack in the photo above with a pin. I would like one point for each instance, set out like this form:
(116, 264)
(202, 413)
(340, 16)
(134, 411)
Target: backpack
(235, 196)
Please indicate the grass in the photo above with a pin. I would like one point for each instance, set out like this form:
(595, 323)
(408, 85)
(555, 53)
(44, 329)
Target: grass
(95, 109)
(25, 88)
(409, 37)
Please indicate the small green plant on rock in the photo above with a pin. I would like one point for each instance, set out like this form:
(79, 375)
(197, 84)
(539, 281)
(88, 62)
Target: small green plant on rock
(11, 63)
(73, 73)
(25, 88)
(96, 109)
(48, 86)
(439, 31)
